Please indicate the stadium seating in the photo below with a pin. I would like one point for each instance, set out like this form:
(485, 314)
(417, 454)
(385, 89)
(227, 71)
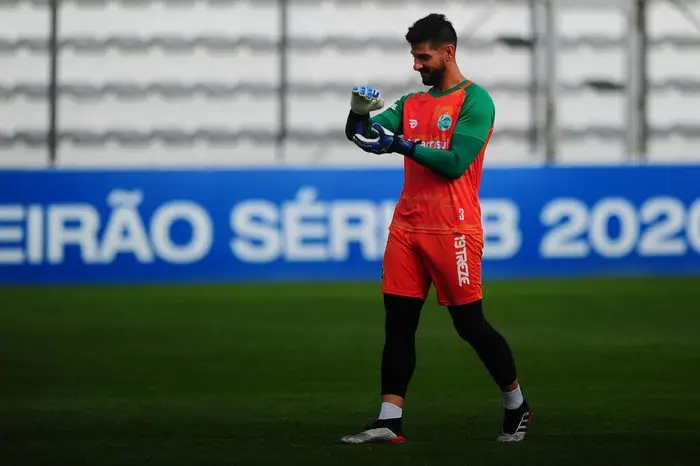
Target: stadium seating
(169, 82)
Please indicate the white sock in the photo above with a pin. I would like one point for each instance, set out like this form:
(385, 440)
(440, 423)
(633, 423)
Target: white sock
(390, 411)
(513, 400)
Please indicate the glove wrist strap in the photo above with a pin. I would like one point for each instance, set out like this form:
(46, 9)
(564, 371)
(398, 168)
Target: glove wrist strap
(403, 146)
(358, 116)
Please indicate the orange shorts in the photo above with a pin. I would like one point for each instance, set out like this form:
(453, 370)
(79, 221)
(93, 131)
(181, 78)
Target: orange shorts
(414, 261)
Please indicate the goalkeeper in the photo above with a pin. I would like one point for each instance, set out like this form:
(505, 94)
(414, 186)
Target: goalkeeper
(436, 237)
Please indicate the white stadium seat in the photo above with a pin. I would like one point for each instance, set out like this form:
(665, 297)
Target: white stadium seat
(196, 66)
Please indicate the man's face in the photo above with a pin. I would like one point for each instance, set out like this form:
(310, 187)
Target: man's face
(430, 62)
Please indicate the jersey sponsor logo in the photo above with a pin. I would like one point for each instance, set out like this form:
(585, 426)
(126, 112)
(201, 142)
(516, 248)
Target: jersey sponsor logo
(461, 255)
(441, 145)
(444, 122)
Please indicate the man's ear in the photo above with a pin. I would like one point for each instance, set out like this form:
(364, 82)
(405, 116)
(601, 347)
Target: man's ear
(449, 52)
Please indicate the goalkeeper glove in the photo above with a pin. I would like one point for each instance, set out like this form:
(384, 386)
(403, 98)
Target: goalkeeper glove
(383, 141)
(365, 99)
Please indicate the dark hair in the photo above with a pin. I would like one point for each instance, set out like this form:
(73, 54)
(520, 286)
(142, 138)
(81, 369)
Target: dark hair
(434, 28)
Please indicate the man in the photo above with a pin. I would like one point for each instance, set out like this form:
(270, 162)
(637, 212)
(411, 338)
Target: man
(436, 236)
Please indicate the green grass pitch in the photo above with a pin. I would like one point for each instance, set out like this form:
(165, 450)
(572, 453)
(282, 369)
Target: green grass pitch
(274, 375)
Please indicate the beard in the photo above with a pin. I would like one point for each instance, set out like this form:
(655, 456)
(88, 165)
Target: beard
(432, 77)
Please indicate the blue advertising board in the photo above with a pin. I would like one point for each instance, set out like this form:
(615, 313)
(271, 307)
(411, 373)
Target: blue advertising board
(69, 226)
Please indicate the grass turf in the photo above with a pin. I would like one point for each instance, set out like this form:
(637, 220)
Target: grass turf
(258, 375)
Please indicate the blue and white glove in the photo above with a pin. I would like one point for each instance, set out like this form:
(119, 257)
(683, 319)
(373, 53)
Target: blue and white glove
(365, 99)
(383, 141)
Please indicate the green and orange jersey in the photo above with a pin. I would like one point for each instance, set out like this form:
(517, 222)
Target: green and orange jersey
(443, 177)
